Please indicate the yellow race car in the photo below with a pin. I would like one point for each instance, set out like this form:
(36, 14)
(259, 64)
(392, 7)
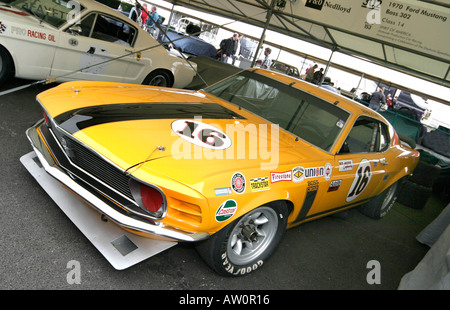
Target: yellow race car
(229, 167)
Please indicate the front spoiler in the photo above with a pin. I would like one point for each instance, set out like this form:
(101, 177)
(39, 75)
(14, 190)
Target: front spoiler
(121, 248)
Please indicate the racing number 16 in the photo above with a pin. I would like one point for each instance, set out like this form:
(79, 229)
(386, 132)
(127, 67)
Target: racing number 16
(201, 134)
(362, 179)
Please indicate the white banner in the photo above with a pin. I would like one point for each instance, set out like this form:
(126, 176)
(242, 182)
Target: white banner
(409, 23)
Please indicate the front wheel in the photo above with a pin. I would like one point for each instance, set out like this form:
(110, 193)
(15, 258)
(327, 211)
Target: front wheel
(6, 65)
(380, 205)
(244, 245)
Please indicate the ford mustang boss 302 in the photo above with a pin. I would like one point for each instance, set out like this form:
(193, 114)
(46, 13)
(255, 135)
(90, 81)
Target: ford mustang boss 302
(230, 167)
(82, 40)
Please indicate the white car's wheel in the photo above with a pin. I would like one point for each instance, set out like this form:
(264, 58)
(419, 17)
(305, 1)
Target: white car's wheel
(158, 78)
(6, 65)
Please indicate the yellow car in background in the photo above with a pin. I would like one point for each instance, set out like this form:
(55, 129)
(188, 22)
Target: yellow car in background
(229, 167)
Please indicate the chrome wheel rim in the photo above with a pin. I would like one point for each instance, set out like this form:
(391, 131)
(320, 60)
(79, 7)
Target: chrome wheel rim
(252, 235)
(390, 195)
(158, 80)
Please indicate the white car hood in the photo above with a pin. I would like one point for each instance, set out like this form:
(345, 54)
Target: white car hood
(12, 14)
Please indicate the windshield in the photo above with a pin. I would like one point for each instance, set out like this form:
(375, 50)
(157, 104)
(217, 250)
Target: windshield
(53, 12)
(310, 118)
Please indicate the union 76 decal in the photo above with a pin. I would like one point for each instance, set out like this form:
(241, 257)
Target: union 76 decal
(201, 134)
(362, 179)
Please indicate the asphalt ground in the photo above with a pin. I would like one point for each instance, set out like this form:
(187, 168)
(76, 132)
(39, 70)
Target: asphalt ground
(38, 241)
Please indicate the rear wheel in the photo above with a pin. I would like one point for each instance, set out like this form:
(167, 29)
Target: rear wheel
(244, 245)
(380, 205)
(158, 78)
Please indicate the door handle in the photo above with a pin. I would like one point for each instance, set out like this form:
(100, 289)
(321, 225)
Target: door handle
(91, 50)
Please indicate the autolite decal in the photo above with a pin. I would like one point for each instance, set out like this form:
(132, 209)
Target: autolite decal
(226, 210)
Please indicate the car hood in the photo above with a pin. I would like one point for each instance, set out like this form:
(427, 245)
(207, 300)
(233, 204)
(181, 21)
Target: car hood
(156, 131)
(13, 14)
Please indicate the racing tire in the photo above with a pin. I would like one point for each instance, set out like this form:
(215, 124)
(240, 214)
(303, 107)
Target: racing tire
(6, 65)
(245, 244)
(380, 205)
(158, 78)
(414, 195)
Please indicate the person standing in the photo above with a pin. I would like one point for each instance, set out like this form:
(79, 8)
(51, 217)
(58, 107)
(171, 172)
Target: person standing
(228, 47)
(267, 61)
(310, 74)
(377, 99)
(152, 19)
(317, 77)
(237, 50)
(144, 14)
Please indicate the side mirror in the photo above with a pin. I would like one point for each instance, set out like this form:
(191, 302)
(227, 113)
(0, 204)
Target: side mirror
(75, 29)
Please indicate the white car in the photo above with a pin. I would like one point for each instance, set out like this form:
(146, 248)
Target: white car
(82, 40)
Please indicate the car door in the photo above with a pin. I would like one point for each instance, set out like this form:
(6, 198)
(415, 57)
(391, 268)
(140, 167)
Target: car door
(360, 166)
(98, 48)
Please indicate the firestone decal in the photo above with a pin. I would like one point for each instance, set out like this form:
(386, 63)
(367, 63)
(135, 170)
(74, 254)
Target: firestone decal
(226, 210)
(280, 176)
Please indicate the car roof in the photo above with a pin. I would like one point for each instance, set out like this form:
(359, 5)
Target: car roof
(92, 5)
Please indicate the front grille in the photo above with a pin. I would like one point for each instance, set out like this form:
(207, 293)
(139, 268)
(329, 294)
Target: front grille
(96, 166)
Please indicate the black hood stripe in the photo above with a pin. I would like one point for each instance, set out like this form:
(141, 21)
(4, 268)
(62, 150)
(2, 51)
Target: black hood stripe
(78, 119)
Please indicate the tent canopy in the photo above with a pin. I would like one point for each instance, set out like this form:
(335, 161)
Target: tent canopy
(409, 36)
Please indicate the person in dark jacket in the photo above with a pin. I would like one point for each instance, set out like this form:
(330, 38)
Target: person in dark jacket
(229, 47)
(377, 99)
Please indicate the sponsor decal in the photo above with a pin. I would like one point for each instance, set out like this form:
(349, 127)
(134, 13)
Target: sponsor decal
(222, 191)
(73, 42)
(2, 27)
(259, 184)
(226, 210)
(298, 174)
(345, 165)
(201, 134)
(280, 176)
(328, 171)
(334, 185)
(313, 186)
(318, 5)
(238, 183)
(314, 172)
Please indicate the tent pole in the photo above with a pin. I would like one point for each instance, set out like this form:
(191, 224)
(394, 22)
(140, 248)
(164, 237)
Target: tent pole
(268, 17)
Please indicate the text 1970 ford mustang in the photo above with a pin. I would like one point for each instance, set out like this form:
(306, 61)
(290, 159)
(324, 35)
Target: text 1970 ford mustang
(229, 167)
(82, 40)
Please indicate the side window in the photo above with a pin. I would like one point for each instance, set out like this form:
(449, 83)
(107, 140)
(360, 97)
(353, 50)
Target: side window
(366, 136)
(106, 28)
(86, 25)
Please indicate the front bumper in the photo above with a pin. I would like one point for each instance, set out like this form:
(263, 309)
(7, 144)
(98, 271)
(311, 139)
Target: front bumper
(155, 229)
